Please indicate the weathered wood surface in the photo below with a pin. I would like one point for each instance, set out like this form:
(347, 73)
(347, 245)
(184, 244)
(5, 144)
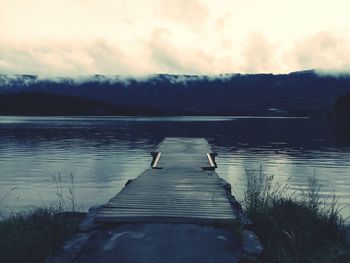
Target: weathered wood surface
(183, 145)
(180, 192)
(184, 152)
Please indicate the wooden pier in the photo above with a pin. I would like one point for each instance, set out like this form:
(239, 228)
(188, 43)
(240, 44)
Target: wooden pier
(180, 187)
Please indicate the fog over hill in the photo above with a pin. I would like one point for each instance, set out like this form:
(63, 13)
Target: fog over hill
(297, 94)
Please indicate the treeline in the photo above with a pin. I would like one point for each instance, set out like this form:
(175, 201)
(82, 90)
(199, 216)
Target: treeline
(295, 94)
(341, 111)
(45, 104)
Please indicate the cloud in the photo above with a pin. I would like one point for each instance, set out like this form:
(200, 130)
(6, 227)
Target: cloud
(175, 59)
(325, 50)
(109, 59)
(164, 54)
(96, 57)
(160, 53)
(258, 54)
(135, 37)
(192, 13)
(19, 58)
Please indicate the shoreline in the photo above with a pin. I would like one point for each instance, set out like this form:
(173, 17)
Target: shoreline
(98, 236)
(102, 242)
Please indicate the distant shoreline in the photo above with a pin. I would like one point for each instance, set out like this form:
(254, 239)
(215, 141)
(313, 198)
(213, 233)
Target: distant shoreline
(161, 116)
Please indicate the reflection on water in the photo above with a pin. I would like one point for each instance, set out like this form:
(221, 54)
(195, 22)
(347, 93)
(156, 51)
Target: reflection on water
(104, 152)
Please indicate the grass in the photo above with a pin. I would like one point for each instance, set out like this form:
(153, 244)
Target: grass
(35, 234)
(61, 197)
(300, 228)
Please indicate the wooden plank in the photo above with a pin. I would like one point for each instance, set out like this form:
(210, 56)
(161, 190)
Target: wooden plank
(171, 206)
(164, 212)
(184, 145)
(174, 202)
(163, 219)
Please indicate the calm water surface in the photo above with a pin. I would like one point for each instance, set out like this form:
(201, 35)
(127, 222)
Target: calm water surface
(104, 152)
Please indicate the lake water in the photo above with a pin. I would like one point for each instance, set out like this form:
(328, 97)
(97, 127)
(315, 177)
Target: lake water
(104, 152)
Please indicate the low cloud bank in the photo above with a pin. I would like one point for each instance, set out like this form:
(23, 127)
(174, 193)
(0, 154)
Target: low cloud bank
(327, 52)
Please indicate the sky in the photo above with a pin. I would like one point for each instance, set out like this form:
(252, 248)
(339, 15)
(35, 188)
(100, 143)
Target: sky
(141, 37)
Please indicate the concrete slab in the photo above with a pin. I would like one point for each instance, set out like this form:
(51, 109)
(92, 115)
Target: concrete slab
(143, 243)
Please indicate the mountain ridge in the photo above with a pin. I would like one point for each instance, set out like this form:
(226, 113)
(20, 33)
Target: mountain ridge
(303, 93)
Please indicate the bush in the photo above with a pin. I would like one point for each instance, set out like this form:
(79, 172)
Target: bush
(295, 229)
(34, 235)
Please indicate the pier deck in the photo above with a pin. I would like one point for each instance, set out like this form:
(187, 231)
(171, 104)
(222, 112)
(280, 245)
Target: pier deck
(183, 187)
